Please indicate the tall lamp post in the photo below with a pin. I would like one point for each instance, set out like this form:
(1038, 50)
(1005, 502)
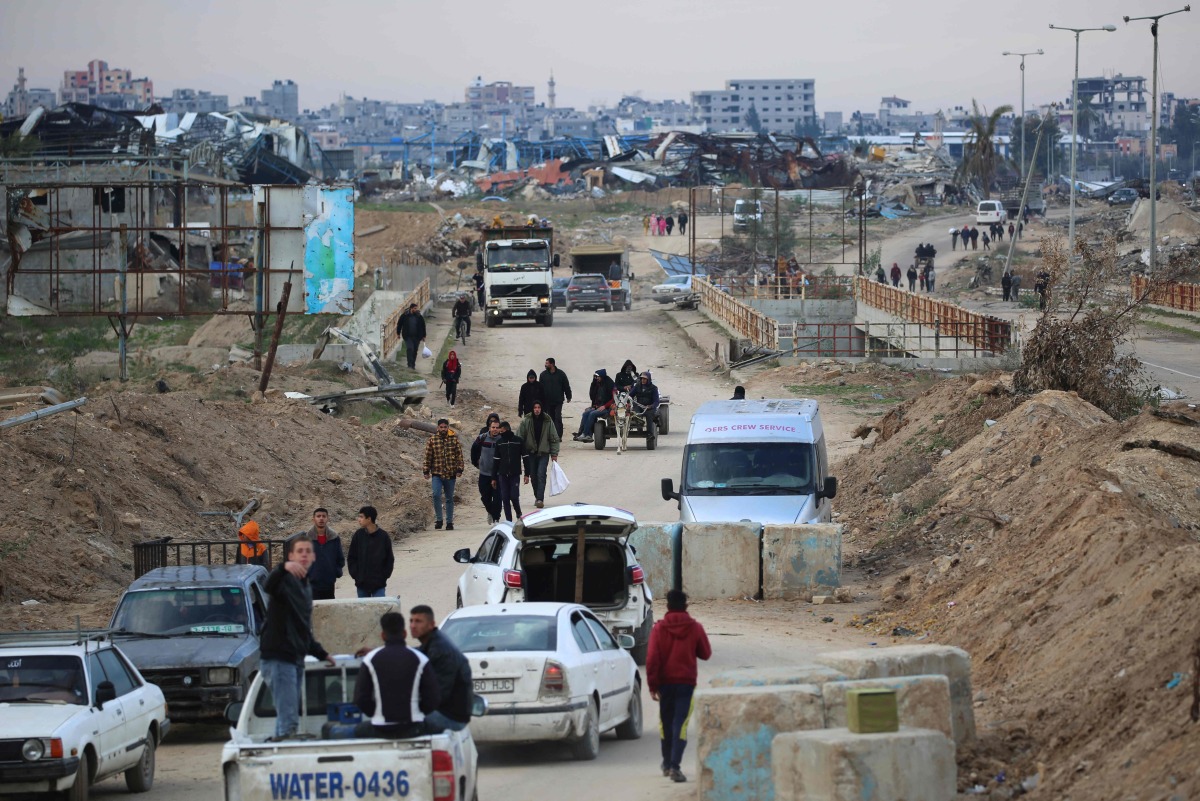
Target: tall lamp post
(1075, 119)
(1154, 131)
(1038, 52)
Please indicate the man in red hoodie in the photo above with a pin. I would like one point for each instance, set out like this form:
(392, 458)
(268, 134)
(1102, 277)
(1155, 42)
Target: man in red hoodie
(676, 642)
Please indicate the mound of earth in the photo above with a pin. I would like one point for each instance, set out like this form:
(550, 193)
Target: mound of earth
(1061, 548)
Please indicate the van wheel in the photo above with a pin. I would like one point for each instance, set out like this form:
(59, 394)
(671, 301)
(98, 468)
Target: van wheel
(599, 434)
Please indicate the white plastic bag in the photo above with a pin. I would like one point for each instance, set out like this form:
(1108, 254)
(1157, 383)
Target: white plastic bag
(426, 353)
(558, 479)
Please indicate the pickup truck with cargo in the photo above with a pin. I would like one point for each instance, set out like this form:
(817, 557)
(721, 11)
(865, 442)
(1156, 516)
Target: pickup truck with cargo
(517, 265)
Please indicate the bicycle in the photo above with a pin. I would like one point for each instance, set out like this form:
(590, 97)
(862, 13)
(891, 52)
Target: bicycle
(461, 326)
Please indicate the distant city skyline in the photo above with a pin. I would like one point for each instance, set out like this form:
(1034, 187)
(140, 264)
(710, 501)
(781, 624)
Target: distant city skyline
(935, 55)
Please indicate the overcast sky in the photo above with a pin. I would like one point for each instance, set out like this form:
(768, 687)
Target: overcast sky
(935, 53)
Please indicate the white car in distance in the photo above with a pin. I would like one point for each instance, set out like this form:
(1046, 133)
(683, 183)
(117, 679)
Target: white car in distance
(671, 290)
(549, 671)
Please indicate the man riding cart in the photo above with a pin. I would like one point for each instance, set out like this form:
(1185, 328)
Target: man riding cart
(639, 411)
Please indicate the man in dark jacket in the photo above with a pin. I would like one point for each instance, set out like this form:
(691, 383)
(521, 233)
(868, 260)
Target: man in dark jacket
(555, 390)
(329, 560)
(371, 560)
(450, 668)
(683, 221)
(411, 328)
(601, 394)
(287, 636)
(509, 451)
(676, 642)
(483, 456)
(462, 310)
(396, 688)
(531, 391)
(646, 399)
(627, 377)
(540, 441)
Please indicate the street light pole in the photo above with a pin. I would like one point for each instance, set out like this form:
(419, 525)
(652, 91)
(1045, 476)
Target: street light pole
(1075, 120)
(1038, 52)
(1154, 132)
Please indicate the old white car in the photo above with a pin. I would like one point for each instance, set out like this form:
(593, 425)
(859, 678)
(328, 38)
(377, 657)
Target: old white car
(74, 711)
(549, 671)
(536, 559)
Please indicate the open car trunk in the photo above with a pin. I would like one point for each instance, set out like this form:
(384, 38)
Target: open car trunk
(551, 570)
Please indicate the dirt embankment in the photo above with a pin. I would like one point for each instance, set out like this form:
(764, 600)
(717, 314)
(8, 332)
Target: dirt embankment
(1062, 550)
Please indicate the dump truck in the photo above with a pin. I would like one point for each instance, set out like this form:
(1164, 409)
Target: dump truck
(611, 261)
(516, 263)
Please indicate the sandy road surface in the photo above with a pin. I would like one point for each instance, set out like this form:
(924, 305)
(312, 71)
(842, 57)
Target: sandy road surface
(744, 633)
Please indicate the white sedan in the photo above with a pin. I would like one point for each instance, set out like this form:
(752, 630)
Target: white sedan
(549, 671)
(671, 290)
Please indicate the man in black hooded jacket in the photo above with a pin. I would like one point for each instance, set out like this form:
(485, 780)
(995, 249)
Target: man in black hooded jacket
(601, 394)
(531, 391)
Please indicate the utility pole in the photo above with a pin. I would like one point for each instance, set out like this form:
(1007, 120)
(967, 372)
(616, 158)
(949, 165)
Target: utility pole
(1038, 52)
(1075, 121)
(1154, 132)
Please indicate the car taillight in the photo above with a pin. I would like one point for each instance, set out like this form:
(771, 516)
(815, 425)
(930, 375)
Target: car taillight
(554, 680)
(636, 574)
(56, 751)
(512, 579)
(443, 776)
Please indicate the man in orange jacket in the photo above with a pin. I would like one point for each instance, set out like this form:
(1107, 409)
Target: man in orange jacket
(676, 642)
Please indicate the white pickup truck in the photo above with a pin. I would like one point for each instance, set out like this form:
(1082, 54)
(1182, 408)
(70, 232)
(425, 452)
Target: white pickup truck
(438, 767)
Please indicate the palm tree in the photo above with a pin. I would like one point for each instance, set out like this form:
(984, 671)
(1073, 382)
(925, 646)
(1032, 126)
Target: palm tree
(980, 158)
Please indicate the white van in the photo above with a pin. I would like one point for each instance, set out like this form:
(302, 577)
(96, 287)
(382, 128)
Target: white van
(746, 213)
(757, 460)
(990, 211)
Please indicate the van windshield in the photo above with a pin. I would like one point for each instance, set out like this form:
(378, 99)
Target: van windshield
(749, 468)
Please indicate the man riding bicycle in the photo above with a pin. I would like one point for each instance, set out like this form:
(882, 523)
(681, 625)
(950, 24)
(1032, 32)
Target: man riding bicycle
(462, 315)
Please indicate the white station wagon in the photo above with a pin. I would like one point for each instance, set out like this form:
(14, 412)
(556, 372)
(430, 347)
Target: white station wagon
(73, 711)
(549, 671)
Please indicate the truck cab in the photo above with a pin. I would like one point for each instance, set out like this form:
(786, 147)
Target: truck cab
(517, 265)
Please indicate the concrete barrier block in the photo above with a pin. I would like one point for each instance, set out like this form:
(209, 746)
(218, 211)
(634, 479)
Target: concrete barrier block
(652, 541)
(915, 660)
(838, 765)
(720, 560)
(735, 728)
(777, 676)
(798, 559)
(923, 701)
(344, 625)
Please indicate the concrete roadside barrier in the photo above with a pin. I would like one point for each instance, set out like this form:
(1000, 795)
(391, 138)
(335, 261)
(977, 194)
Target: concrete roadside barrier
(343, 625)
(923, 701)
(720, 560)
(799, 559)
(776, 676)
(657, 549)
(735, 728)
(839, 765)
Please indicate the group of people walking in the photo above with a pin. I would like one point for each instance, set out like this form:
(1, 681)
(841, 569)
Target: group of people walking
(994, 233)
(664, 224)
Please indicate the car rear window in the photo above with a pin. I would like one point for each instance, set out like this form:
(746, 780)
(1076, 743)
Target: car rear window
(588, 281)
(489, 633)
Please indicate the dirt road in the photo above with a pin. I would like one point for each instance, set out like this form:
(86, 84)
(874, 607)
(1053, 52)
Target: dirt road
(744, 633)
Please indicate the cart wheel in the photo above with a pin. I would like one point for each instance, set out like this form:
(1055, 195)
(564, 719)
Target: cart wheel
(599, 434)
(664, 419)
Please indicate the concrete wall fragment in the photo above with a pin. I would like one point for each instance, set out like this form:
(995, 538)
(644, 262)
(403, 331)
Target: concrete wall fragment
(777, 676)
(653, 543)
(799, 559)
(721, 560)
(923, 701)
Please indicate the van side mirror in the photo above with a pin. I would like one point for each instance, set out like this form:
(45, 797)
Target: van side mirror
(555, 260)
(479, 706)
(105, 692)
(668, 490)
(233, 712)
(463, 556)
(829, 490)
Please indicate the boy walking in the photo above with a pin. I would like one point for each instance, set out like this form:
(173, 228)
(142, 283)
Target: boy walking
(676, 642)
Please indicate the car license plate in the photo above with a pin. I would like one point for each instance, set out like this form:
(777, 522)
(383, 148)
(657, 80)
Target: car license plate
(520, 314)
(493, 685)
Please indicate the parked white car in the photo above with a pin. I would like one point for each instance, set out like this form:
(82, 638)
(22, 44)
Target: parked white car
(536, 558)
(549, 671)
(671, 290)
(74, 711)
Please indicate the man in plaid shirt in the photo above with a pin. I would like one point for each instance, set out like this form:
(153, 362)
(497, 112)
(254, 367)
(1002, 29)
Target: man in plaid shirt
(444, 463)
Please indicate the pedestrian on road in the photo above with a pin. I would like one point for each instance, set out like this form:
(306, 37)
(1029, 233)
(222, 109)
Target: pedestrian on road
(251, 551)
(929, 277)
(556, 389)
(670, 224)
(683, 221)
(329, 560)
(924, 272)
(662, 225)
(880, 276)
(953, 238)
(1021, 229)
(483, 456)
(450, 668)
(531, 391)
(676, 642)
(895, 274)
(462, 311)
(1016, 287)
(999, 235)
(965, 235)
(1042, 287)
(509, 452)
(1012, 229)
(443, 465)
(540, 440)
(480, 294)
(287, 636)
(974, 238)
(653, 225)
(396, 687)
(1006, 285)
(411, 329)
(646, 225)
(912, 278)
(371, 560)
(451, 373)
(987, 241)
(601, 395)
